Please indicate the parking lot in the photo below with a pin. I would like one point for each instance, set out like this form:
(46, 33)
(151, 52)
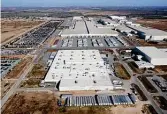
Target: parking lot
(103, 100)
(6, 52)
(91, 42)
(7, 64)
(33, 38)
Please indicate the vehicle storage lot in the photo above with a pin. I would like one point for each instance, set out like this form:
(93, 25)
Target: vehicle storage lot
(7, 64)
(91, 42)
(33, 38)
(7, 52)
(12, 28)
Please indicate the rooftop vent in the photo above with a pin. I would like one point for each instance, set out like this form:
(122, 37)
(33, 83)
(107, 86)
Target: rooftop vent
(53, 76)
(76, 82)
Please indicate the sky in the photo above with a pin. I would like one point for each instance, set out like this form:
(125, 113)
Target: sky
(61, 3)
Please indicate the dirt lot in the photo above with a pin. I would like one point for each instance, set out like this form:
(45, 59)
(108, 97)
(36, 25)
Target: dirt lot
(31, 103)
(161, 102)
(5, 86)
(161, 69)
(154, 23)
(121, 71)
(164, 76)
(30, 83)
(135, 69)
(147, 84)
(14, 74)
(140, 95)
(46, 103)
(149, 109)
(34, 77)
(12, 28)
(38, 72)
(127, 109)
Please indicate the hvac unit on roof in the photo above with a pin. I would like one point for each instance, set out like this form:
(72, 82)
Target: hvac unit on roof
(76, 82)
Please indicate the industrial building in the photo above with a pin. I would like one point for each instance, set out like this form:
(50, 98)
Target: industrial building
(107, 23)
(95, 31)
(152, 54)
(117, 17)
(83, 27)
(149, 33)
(78, 70)
(124, 29)
(144, 64)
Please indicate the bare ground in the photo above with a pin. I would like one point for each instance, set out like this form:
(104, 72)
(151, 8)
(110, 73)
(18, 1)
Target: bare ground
(154, 23)
(14, 74)
(12, 28)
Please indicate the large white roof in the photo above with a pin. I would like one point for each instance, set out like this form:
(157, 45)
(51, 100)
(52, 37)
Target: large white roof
(153, 52)
(79, 28)
(78, 65)
(84, 27)
(93, 29)
(149, 31)
(123, 28)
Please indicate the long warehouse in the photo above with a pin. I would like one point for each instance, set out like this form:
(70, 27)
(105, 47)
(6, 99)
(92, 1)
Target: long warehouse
(154, 55)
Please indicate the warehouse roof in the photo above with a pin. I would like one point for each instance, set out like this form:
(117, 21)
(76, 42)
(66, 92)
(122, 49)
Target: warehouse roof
(149, 31)
(153, 52)
(79, 28)
(93, 29)
(71, 67)
(87, 28)
(123, 28)
(67, 22)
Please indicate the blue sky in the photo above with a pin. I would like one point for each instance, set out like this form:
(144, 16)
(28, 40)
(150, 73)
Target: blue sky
(57, 3)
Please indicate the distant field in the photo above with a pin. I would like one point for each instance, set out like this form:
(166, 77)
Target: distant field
(12, 28)
(154, 23)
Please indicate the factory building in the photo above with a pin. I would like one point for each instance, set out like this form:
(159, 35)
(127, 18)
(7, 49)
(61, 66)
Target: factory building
(77, 17)
(107, 23)
(82, 27)
(152, 54)
(78, 70)
(124, 29)
(118, 17)
(149, 33)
